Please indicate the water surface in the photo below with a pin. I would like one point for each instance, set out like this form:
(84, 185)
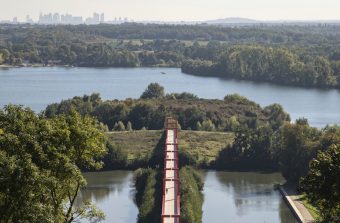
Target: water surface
(113, 193)
(237, 197)
(244, 197)
(38, 87)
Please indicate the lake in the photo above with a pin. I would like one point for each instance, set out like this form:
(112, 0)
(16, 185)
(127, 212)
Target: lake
(237, 197)
(38, 87)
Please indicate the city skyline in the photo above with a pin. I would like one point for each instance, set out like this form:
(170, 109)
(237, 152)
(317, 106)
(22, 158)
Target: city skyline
(177, 10)
(58, 18)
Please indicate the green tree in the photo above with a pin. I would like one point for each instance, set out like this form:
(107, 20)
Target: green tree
(129, 127)
(40, 161)
(4, 55)
(296, 145)
(208, 125)
(322, 183)
(198, 126)
(154, 90)
(119, 126)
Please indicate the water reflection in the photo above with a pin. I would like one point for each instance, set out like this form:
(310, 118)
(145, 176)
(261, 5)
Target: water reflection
(112, 192)
(243, 197)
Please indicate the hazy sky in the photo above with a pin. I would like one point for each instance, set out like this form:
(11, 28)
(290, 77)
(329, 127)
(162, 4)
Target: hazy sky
(177, 10)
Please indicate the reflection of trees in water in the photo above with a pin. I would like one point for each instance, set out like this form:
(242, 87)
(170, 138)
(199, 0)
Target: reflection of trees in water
(286, 216)
(251, 191)
(101, 184)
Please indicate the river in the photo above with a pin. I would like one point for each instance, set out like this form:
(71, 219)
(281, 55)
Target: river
(38, 87)
(237, 197)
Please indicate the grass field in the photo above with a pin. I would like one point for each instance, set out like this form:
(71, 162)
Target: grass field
(203, 145)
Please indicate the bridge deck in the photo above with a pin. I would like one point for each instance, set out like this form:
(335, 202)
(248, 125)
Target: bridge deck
(170, 209)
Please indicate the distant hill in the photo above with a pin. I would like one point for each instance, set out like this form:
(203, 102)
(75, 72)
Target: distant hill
(233, 20)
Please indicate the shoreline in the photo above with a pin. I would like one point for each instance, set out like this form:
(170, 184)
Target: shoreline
(299, 210)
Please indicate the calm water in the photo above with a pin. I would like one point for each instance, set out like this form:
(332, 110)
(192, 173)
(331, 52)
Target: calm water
(38, 87)
(241, 197)
(235, 197)
(112, 192)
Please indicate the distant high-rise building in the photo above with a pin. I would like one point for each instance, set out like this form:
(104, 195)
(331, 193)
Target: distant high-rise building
(95, 19)
(15, 20)
(46, 19)
(56, 18)
(102, 18)
(29, 20)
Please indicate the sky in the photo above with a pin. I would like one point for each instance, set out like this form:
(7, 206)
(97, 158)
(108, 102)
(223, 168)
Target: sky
(177, 10)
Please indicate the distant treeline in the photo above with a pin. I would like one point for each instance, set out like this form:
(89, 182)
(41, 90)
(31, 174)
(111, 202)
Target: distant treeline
(294, 55)
(271, 64)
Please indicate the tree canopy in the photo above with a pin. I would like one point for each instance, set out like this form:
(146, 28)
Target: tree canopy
(40, 161)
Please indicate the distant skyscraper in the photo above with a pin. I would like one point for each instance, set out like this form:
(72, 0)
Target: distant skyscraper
(29, 20)
(56, 18)
(102, 18)
(95, 19)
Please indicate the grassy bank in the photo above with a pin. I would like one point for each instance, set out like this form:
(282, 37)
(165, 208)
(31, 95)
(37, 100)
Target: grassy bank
(203, 146)
(148, 184)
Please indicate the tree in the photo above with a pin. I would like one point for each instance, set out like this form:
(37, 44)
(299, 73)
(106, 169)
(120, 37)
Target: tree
(129, 127)
(154, 90)
(322, 183)
(276, 115)
(119, 126)
(40, 161)
(208, 125)
(296, 145)
(4, 55)
(198, 126)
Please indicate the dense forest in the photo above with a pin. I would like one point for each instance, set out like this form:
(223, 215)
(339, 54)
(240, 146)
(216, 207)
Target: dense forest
(293, 55)
(271, 64)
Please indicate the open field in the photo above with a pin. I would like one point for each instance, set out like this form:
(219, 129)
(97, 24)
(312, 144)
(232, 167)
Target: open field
(202, 145)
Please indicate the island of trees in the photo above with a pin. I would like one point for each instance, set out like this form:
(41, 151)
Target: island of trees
(306, 56)
(42, 155)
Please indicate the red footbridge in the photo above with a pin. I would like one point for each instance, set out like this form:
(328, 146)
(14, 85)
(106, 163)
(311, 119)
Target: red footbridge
(171, 182)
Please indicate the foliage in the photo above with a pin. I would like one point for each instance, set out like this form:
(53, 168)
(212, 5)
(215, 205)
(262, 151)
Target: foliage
(191, 112)
(119, 126)
(191, 195)
(252, 149)
(289, 54)
(116, 157)
(322, 183)
(296, 145)
(183, 96)
(129, 127)
(148, 184)
(264, 63)
(154, 90)
(40, 161)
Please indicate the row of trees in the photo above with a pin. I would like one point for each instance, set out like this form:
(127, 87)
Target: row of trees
(192, 113)
(262, 63)
(279, 34)
(40, 165)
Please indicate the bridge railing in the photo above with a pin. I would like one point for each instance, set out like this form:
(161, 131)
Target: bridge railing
(171, 124)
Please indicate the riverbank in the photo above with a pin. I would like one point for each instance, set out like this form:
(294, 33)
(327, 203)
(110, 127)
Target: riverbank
(9, 66)
(293, 199)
